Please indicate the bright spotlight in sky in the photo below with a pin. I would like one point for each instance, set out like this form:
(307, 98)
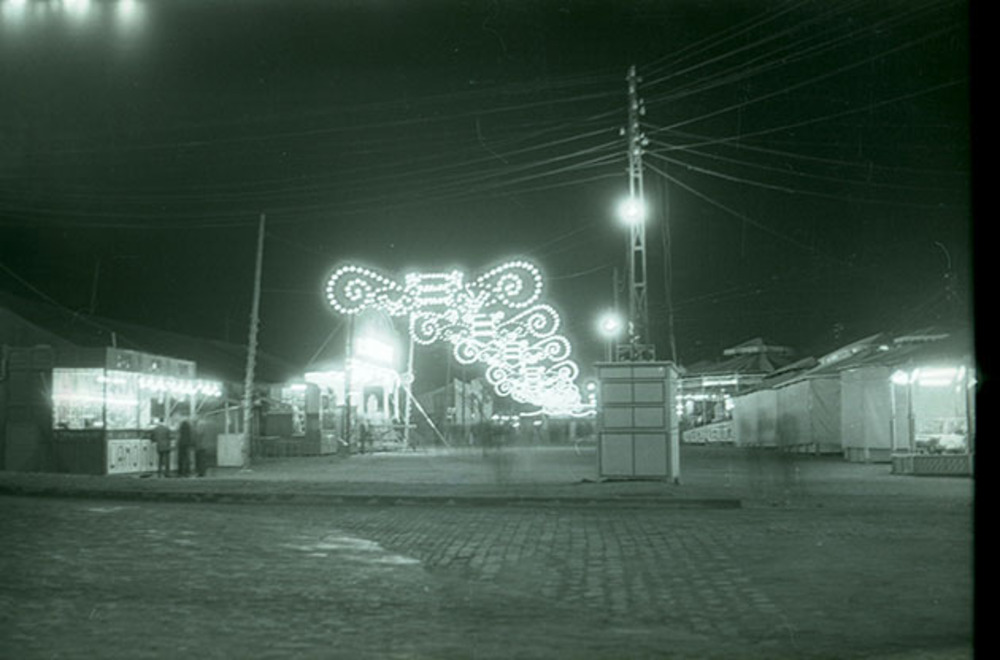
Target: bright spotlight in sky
(12, 11)
(77, 9)
(129, 14)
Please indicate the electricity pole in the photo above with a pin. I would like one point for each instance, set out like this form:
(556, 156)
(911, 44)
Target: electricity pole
(638, 307)
(348, 384)
(252, 348)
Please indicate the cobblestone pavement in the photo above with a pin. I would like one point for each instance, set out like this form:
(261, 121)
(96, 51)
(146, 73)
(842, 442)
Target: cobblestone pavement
(106, 579)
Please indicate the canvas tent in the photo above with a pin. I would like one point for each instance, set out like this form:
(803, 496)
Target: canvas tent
(828, 407)
(755, 413)
(708, 388)
(867, 413)
(809, 414)
(932, 388)
(908, 395)
(755, 419)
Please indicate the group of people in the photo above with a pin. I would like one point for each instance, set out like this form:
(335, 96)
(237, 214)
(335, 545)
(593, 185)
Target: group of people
(192, 456)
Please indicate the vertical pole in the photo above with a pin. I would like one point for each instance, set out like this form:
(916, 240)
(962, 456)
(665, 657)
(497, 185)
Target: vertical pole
(94, 286)
(970, 422)
(668, 277)
(612, 350)
(910, 417)
(104, 419)
(407, 385)
(252, 348)
(451, 398)
(892, 419)
(348, 384)
(638, 307)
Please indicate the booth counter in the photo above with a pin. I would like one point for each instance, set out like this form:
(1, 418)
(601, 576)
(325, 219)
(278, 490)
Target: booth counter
(103, 415)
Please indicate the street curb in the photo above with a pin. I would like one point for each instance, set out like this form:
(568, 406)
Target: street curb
(215, 497)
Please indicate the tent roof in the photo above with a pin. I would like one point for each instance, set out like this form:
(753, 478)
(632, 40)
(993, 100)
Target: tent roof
(751, 357)
(791, 372)
(928, 345)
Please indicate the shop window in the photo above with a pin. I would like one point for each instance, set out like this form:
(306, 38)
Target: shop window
(78, 398)
(91, 398)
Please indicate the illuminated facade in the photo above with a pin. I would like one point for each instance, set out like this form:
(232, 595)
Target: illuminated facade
(496, 319)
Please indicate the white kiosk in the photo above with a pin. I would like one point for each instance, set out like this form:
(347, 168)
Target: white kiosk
(638, 434)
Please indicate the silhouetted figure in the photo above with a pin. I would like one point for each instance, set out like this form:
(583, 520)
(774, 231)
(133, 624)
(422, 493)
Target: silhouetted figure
(161, 438)
(185, 448)
(366, 436)
(201, 448)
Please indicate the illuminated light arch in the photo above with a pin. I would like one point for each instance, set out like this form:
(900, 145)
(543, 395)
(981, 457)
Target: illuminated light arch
(495, 319)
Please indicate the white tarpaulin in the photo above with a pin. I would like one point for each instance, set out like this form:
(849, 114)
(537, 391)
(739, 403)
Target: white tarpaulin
(755, 418)
(809, 415)
(866, 413)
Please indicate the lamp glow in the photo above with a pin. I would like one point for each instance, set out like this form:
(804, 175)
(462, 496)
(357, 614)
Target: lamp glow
(632, 211)
(610, 325)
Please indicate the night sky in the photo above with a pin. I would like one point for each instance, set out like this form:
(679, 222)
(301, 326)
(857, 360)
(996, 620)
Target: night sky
(812, 159)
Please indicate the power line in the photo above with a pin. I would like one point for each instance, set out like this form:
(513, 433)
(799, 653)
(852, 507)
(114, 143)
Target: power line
(790, 190)
(813, 80)
(742, 216)
(792, 172)
(815, 120)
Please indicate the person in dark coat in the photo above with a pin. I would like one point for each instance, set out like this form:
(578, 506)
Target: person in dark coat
(161, 438)
(201, 448)
(185, 448)
(366, 436)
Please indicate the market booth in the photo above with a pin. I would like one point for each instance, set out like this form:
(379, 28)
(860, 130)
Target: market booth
(933, 412)
(309, 417)
(796, 409)
(910, 402)
(707, 394)
(105, 404)
(867, 414)
(755, 419)
(809, 414)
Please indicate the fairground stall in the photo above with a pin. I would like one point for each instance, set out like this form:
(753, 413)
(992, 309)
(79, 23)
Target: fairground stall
(105, 405)
(932, 399)
(708, 390)
(755, 419)
(755, 412)
(909, 397)
(310, 416)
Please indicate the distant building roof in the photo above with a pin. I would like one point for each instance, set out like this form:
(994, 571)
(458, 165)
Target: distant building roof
(27, 323)
(865, 345)
(751, 357)
(757, 346)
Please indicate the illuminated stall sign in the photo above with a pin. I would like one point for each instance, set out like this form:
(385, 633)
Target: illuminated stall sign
(496, 319)
(119, 395)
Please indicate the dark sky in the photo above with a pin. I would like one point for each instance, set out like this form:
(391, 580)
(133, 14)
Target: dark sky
(817, 155)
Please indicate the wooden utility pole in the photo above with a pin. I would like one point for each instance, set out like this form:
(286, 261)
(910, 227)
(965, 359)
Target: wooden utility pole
(668, 276)
(252, 348)
(348, 383)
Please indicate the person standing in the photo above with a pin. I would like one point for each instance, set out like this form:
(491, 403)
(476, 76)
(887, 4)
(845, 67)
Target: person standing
(366, 436)
(201, 448)
(185, 447)
(161, 438)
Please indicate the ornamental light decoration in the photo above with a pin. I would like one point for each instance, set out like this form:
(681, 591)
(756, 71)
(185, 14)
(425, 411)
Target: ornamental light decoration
(496, 319)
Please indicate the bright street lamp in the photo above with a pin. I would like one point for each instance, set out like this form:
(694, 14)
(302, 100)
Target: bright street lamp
(610, 325)
(632, 211)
